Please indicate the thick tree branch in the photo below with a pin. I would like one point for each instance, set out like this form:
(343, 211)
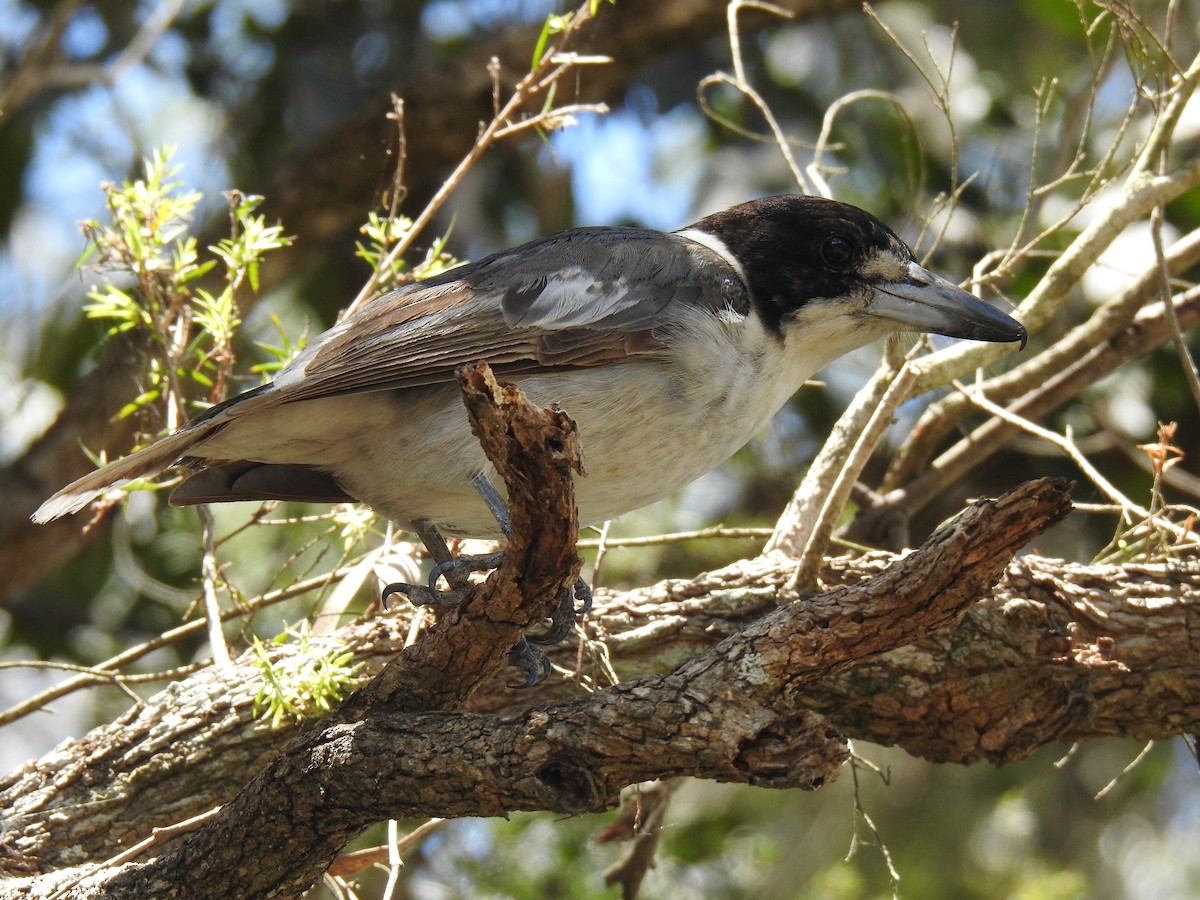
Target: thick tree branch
(1066, 653)
(736, 712)
(1118, 643)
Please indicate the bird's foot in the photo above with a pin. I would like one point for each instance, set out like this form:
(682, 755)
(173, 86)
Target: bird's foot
(581, 591)
(562, 620)
(423, 595)
(456, 569)
(531, 660)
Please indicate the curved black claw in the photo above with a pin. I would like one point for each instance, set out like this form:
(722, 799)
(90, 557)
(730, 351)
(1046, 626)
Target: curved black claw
(530, 660)
(420, 595)
(562, 621)
(583, 593)
(397, 587)
(457, 568)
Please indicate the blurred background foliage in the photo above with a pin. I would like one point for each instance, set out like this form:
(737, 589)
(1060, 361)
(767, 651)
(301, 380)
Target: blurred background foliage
(288, 100)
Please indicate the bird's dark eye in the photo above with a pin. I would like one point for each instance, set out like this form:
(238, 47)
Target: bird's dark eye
(838, 253)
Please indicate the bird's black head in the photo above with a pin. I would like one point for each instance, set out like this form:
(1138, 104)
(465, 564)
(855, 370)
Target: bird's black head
(796, 249)
(804, 257)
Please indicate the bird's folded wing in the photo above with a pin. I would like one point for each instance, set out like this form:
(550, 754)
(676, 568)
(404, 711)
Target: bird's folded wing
(584, 298)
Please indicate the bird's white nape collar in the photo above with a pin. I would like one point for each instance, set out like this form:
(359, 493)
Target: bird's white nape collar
(717, 246)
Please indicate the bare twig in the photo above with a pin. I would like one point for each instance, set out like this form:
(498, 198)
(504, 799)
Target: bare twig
(552, 66)
(1039, 307)
(105, 672)
(43, 68)
(1065, 443)
(157, 836)
(1042, 371)
(701, 534)
(816, 169)
(210, 574)
(804, 529)
(939, 91)
(1186, 363)
(739, 83)
(1163, 133)
(1133, 764)
(860, 812)
(1149, 330)
(648, 804)
(391, 852)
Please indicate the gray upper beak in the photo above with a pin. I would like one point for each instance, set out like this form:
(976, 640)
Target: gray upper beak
(928, 302)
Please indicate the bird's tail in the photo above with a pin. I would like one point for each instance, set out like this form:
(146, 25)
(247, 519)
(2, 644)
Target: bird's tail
(147, 461)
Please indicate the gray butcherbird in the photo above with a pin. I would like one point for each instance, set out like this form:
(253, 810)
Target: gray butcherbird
(669, 350)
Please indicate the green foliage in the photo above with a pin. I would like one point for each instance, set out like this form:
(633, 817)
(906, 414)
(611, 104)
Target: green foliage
(556, 23)
(307, 682)
(150, 264)
(280, 354)
(384, 232)
(148, 239)
(356, 524)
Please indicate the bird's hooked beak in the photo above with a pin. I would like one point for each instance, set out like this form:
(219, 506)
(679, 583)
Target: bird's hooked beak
(923, 301)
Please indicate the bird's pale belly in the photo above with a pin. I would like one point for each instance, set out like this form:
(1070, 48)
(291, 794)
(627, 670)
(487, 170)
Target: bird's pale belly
(635, 451)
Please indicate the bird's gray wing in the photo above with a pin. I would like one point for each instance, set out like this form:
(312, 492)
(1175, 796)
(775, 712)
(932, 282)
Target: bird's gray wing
(581, 298)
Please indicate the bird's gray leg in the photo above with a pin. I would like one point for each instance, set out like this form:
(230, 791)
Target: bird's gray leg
(438, 549)
(455, 569)
(495, 503)
(422, 595)
(524, 655)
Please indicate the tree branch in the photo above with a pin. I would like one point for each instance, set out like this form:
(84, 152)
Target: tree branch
(736, 712)
(1147, 330)
(1103, 326)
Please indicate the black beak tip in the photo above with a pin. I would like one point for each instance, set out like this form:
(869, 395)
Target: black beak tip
(1005, 330)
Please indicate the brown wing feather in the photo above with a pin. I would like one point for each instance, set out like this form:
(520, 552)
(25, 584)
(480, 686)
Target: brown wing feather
(583, 298)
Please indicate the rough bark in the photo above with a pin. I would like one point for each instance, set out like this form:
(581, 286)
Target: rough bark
(737, 711)
(535, 451)
(1064, 653)
(1057, 652)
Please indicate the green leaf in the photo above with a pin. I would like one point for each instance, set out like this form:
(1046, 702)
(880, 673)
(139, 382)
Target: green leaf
(142, 400)
(555, 24)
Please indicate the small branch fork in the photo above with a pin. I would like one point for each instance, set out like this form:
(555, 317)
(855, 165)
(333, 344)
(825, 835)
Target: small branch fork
(535, 451)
